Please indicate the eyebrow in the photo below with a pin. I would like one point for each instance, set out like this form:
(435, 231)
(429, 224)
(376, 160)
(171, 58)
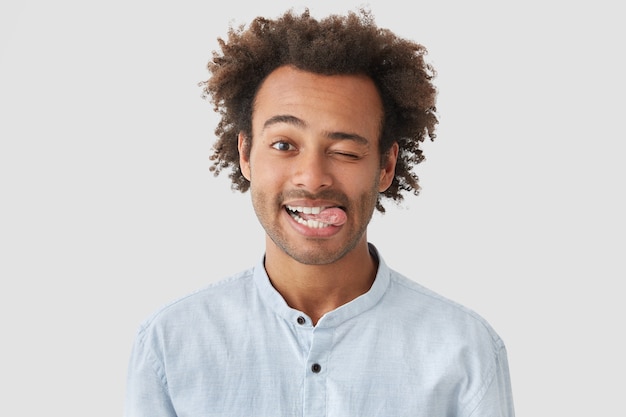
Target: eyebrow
(284, 118)
(297, 122)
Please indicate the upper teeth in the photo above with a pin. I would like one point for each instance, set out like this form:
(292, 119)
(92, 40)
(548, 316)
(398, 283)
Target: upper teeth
(306, 210)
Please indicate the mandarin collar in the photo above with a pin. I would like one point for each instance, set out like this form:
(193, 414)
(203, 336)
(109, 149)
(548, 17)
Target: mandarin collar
(362, 303)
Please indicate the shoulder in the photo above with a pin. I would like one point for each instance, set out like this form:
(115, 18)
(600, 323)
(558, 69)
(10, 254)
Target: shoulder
(441, 315)
(454, 336)
(220, 297)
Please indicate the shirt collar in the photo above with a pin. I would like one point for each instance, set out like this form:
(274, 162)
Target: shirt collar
(277, 303)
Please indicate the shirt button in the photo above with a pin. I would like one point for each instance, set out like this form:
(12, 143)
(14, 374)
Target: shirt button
(316, 368)
(301, 320)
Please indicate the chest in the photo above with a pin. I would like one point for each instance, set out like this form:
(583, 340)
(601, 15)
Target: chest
(350, 371)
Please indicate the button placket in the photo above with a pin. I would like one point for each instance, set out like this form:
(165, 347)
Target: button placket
(315, 378)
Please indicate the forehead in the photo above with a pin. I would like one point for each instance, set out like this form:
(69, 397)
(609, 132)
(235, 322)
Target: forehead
(326, 102)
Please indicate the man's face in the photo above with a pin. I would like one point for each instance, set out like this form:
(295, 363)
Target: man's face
(314, 164)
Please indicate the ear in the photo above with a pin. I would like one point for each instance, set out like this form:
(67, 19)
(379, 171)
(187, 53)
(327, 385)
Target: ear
(243, 145)
(388, 169)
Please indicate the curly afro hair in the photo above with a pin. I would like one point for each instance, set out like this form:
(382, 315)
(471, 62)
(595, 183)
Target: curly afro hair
(350, 44)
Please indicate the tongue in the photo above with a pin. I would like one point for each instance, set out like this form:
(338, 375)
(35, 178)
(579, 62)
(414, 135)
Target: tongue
(333, 215)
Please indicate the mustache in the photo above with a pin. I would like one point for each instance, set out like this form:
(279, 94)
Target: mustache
(332, 195)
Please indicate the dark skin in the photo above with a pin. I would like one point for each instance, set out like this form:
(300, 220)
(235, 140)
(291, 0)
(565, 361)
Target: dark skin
(320, 120)
(315, 145)
(350, 44)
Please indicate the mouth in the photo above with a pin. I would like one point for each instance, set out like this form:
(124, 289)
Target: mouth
(317, 217)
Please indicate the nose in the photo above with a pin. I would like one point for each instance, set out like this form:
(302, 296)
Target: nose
(312, 171)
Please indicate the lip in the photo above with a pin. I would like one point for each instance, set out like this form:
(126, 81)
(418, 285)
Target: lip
(313, 203)
(324, 232)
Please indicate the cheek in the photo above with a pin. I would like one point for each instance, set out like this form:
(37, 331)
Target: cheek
(366, 178)
(266, 176)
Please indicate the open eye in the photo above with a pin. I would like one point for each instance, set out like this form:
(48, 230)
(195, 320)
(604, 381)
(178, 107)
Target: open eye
(281, 145)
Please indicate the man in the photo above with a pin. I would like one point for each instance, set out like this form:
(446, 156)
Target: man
(320, 121)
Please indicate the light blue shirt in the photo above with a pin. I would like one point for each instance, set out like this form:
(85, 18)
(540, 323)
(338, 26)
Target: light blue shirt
(236, 349)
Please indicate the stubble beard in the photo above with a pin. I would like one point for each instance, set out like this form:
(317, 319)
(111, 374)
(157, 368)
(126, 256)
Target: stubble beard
(318, 251)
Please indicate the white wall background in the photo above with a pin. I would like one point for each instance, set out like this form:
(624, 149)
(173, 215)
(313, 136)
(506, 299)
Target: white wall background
(108, 209)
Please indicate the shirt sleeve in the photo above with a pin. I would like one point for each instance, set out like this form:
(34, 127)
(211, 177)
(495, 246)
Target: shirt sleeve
(146, 388)
(497, 399)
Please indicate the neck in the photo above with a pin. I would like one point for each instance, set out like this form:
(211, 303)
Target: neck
(318, 289)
